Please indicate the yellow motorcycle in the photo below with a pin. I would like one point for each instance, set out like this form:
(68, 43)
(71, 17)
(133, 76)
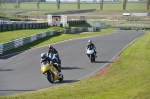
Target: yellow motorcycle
(51, 72)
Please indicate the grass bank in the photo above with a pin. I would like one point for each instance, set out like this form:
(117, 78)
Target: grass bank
(127, 78)
(56, 38)
(12, 35)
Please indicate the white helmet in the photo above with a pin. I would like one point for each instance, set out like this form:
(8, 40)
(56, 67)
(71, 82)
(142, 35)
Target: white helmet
(89, 41)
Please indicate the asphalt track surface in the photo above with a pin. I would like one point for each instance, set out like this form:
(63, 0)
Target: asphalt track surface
(21, 73)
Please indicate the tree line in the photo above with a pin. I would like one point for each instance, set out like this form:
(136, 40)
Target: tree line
(124, 3)
(14, 1)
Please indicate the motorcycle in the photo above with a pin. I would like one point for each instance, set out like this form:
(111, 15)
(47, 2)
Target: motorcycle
(51, 72)
(54, 59)
(91, 54)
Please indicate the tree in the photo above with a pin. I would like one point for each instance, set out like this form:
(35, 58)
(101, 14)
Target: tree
(78, 4)
(42, 0)
(58, 3)
(101, 4)
(124, 4)
(147, 4)
(0, 2)
(94, 0)
(18, 3)
(38, 4)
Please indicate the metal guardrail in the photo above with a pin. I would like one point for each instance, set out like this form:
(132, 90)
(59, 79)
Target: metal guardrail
(22, 41)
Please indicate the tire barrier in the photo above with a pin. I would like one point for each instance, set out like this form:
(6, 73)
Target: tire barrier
(22, 41)
(18, 26)
(75, 22)
(79, 30)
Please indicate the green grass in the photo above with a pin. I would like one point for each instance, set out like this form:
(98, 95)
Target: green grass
(56, 38)
(128, 79)
(11, 35)
(116, 7)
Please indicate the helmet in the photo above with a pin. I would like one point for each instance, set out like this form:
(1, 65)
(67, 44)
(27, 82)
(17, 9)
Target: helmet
(43, 55)
(89, 41)
(50, 46)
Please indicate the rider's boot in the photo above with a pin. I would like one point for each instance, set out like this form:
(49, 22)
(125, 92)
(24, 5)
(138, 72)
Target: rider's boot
(59, 61)
(59, 73)
(95, 54)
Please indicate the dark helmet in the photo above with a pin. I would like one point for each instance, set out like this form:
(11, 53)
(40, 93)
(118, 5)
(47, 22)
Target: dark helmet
(50, 46)
(43, 55)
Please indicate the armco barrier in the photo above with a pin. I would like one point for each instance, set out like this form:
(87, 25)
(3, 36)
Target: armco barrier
(22, 41)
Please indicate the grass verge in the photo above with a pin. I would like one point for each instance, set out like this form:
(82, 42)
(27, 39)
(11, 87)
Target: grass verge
(128, 79)
(7, 36)
(12, 35)
(56, 38)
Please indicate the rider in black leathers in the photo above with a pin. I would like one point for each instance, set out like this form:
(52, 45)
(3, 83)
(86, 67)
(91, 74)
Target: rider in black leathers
(45, 58)
(90, 45)
(52, 50)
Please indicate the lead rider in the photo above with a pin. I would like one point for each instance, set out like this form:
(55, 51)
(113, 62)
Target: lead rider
(90, 46)
(52, 50)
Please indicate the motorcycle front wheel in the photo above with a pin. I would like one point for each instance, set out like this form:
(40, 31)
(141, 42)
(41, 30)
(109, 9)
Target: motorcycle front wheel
(92, 57)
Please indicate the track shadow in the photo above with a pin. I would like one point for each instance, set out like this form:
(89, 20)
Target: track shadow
(10, 55)
(66, 81)
(103, 61)
(2, 70)
(69, 68)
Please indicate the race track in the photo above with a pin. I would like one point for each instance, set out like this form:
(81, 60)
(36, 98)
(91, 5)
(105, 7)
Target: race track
(21, 72)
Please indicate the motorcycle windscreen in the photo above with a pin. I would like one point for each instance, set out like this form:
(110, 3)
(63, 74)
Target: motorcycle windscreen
(43, 63)
(44, 67)
(90, 51)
